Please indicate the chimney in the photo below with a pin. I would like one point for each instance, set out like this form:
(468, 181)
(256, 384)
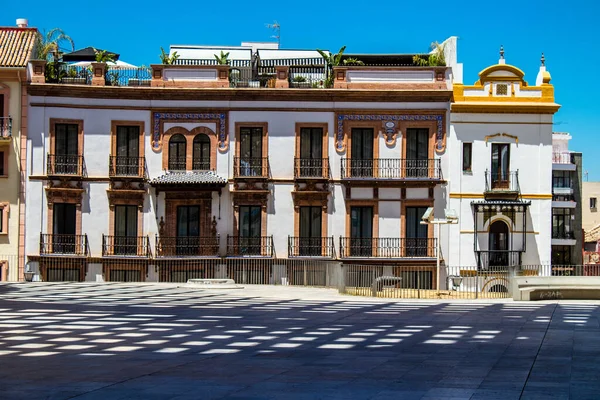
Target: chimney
(22, 22)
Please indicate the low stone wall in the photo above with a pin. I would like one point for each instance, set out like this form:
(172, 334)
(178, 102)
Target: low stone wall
(527, 288)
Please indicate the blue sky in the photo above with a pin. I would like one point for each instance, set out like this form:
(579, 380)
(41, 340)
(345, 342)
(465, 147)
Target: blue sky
(566, 32)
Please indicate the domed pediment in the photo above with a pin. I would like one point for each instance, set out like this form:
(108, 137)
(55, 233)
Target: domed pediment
(501, 72)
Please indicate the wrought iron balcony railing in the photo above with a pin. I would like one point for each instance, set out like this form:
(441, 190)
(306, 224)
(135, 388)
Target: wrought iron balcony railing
(132, 167)
(311, 247)
(240, 246)
(63, 244)
(502, 181)
(64, 165)
(177, 164)
(562, 234)
(180, 246)
(391, 168)
(498, 258)
(126, 246)
(387, 247)
(200, 165)
(255, 167)
(5, 127)
(311, 168)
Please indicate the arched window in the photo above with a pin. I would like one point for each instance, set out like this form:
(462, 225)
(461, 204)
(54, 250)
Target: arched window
(177, 147)
(498, 243)
(201, 154)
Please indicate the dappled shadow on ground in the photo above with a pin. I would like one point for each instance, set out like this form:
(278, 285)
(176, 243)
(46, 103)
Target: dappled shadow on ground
(111, 341)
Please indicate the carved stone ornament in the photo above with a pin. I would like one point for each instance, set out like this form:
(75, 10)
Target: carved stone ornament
(158, 119)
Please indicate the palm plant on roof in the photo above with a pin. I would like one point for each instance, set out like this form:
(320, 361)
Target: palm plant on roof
(332, 60)
(50, 46)
(167, 59)
(223, 58)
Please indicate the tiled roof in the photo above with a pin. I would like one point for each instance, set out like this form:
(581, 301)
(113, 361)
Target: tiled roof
(16, 45)
(189, 178)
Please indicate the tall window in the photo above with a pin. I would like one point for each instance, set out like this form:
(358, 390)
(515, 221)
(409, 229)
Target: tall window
(250, 230)
(593, 201)
(561, 255)
(416, 241)
(66, 149)
(201, 153)
(561, 223)
(561, 179)
(128, 150)
(500, 166)
(467, 156)
(310, 231)
(417, 153)
(361, 163)
(311, 152)
(361, 231)
(188, 230)
(251, 156)
(63, 227)
(2, 169)
(126, 229)
(177, 152)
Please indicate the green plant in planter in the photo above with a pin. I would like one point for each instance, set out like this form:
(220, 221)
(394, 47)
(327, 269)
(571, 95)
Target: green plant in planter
(299, 79)
(104, 56)
(435, 59)
(332, 60)
(223, 58)
(353, 61)
(72, 72)
(166, 59)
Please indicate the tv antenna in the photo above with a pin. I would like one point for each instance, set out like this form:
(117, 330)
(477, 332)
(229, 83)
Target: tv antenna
(277, 28)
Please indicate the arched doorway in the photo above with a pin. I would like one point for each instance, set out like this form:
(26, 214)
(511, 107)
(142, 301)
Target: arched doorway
(498, 243)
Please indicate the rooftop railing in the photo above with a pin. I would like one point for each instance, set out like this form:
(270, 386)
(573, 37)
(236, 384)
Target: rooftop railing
(561, 158)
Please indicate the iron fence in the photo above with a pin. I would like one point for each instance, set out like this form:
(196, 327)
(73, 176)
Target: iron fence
(307, 77)
(64, 165)
(120, 166)
(387, 247)
(257, 167)
(311, 168)
(138, 76)
(391, 168)
(5, 127)
(177, 163)
(311, 247)
(498, 258)
(181, 246)
(244, 246)
(126, 246)
(63, 244)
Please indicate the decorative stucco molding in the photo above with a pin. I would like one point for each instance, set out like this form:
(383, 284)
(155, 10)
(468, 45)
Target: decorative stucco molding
(159, 118)
(390, 130)
(495, 135)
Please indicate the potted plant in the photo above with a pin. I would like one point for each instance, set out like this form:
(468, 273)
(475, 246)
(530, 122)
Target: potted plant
(299, 81)
(436, 58)
(167, 59)
(73, 77)
(331, 60)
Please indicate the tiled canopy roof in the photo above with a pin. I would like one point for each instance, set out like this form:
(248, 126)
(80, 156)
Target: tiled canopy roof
(189, 178)
(16, 45)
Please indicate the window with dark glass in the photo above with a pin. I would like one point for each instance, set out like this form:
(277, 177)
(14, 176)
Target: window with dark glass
(311, 152)
(310, 231)
(467, 156)
(126, 229)
(361, 163)
(177, 152)
(188, 230)
(63, 227)
(127, 161)
(416, 234)
(561, 223)
(561, 179)
(361, 231)
(2, 171)
(561, 255)
(593, 201)
(201, 153)
(417, 153)
(66, 149)
(500, 177)
(251, 156)
(250, 218)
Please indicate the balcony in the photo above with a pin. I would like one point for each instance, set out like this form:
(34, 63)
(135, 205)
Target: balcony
(187, 246)
(56, 244)
(311, 168)
(562, 161)
(69, 165)
(260, 246)
(311, 247)
(562, 185)
(5, 128)
(496, 259)
(127, 167)
(136, 246)
(177, 164)
(563, 237)
(502, 185)
(392, 169)
(388, 247)
(250, 167)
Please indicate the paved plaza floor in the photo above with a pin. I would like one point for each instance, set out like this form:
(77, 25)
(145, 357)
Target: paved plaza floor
(152, 341)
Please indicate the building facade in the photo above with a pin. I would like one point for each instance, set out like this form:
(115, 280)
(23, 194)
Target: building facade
(500, 175)
(16, 46)
(590, 218)
(245, 163)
